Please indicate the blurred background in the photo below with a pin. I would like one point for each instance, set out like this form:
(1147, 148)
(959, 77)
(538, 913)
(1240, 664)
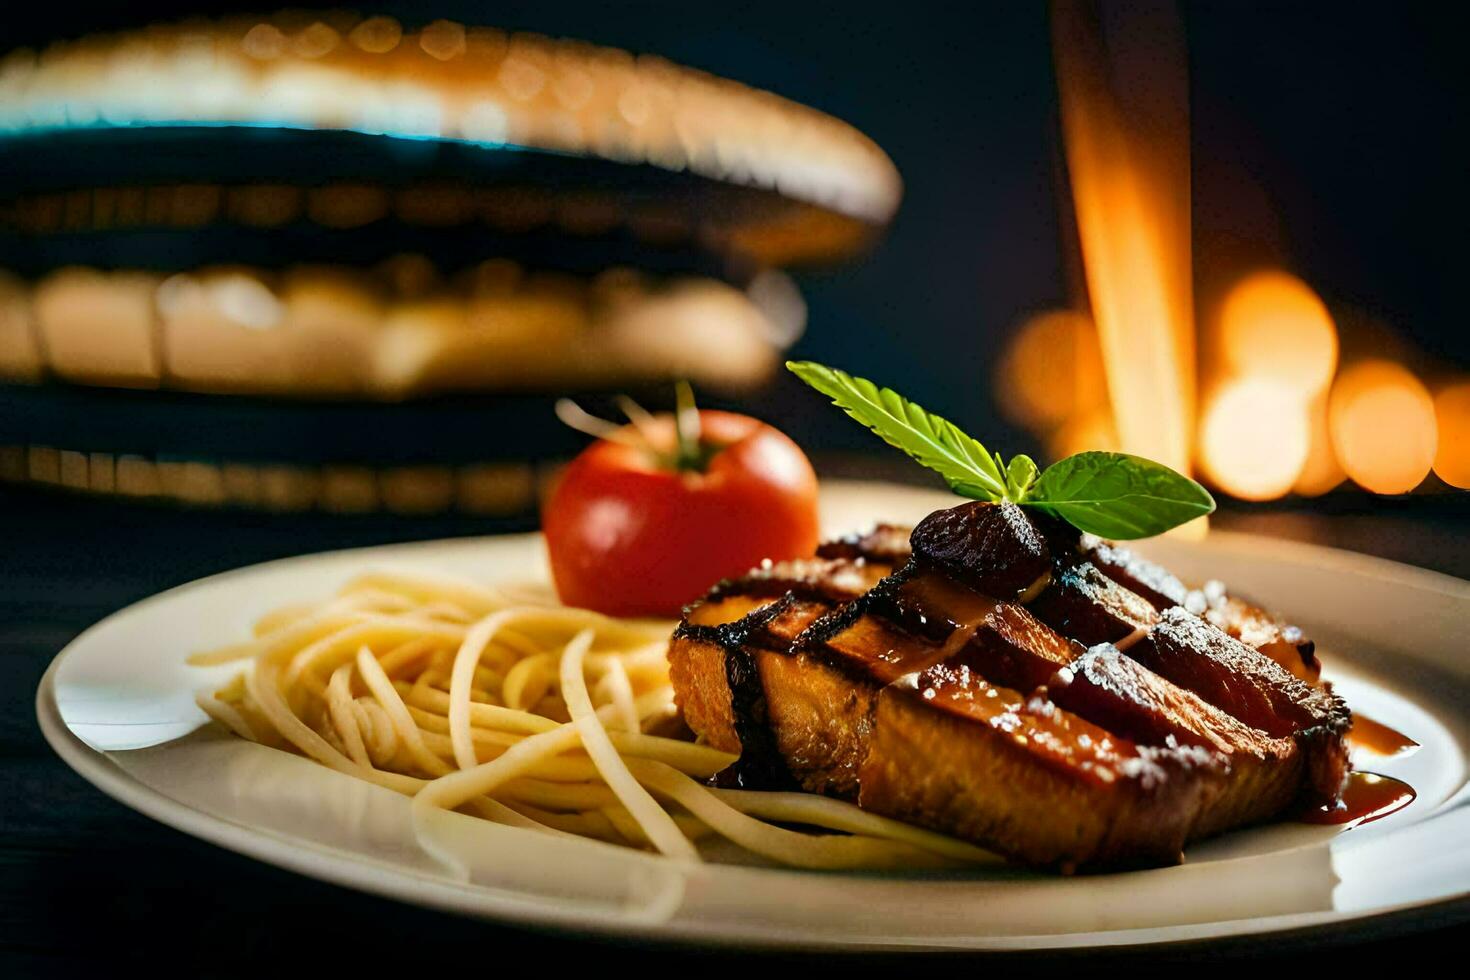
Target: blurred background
(1310, 285)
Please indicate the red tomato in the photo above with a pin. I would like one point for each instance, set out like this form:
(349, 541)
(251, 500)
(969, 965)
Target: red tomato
(629, 535)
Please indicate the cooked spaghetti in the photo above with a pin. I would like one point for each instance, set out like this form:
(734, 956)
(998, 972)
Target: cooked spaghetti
(525, 713)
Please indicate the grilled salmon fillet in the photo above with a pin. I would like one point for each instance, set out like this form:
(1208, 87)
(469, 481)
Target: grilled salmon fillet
(995, 675)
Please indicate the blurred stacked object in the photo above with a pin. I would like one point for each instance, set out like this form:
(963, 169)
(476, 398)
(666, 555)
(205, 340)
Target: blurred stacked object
(301, 220)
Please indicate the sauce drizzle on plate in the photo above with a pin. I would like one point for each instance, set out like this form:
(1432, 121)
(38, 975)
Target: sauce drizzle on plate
(1378, 738)
(1366, 796)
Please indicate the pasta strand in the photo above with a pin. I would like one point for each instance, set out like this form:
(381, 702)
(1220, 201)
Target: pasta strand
(500, 704)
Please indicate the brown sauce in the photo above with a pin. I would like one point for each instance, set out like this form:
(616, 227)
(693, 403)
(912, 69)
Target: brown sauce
(761, 764)
(1378, 738)
(1366, 796)
(936, 596)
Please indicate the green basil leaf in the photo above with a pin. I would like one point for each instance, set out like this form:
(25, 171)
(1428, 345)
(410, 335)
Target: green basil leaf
(1019, 476)
(937, 443)
(1115, 495)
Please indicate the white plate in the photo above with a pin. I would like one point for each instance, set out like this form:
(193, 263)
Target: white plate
(117, 704)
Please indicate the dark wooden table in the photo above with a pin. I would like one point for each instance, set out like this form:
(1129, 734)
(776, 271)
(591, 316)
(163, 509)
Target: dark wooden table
(86, 883)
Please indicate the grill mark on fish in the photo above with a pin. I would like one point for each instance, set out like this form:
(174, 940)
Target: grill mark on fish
(760, 764)
(946, 621)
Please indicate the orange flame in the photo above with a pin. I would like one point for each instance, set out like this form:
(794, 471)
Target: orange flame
(1128, 160)
(1273, 420)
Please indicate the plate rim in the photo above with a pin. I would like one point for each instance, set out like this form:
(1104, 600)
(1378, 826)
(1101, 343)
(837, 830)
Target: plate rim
(319, 861)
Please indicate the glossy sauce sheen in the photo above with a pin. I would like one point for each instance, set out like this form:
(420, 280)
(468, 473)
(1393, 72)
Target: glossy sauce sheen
(1378, 738)
(1366, 797)
(937, 602)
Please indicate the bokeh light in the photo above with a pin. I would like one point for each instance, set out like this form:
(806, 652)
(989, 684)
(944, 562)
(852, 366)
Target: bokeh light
(1273, 324)
(1052, 370)
(1383, 427)
(1452, 415)
(1322, 472)
(1254, 437)
(1091, 431)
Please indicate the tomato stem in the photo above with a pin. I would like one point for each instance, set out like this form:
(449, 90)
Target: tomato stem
(574, 416)
(688, 453)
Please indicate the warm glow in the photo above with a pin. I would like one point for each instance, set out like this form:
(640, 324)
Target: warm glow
(1272, 324)
(1264, 432)
(1128, 160)
(1452, 410)
(1279, 416)
(1322, 471)
(1091, 431)
(1052, 371)
(1254, 438)
(1383, 427)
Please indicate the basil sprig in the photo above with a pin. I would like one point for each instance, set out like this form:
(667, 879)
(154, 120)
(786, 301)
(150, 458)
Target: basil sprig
(1112, 495)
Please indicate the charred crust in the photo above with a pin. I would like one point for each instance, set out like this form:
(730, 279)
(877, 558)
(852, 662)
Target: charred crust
(887, 544)
(743, 630)
(1083, 604)
(1178, 764)
(830, 624)
(1154, 582)
(761, 764)
(814, 579)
